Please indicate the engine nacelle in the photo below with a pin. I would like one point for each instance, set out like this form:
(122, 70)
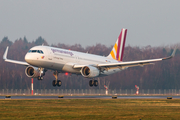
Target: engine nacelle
(32, 72)
(90, 71)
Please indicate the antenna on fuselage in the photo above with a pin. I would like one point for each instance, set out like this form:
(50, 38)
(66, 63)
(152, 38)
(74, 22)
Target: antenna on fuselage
(43, 44)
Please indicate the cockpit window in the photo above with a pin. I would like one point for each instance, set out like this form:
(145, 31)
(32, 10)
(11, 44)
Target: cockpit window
(36, 51)
(33, 51)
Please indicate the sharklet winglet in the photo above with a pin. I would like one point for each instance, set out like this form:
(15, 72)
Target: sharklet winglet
(5, 53)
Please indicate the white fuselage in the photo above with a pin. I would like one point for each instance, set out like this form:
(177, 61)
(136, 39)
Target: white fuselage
(62, 60)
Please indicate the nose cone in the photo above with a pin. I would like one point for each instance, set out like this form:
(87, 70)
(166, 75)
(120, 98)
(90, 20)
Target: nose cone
(28, 58)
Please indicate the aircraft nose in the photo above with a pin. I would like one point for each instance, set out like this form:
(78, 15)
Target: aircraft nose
(27, 57)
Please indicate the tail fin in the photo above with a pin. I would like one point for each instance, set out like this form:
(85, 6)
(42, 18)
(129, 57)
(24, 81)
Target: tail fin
(118, 49)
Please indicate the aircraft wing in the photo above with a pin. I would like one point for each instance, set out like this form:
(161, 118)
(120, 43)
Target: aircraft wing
(13, 61)
(130, 63)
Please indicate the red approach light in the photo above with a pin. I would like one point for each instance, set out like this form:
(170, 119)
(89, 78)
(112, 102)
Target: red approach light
(66, 73)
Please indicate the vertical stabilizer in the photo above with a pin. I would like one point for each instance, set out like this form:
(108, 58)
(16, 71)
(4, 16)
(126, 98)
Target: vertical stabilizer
(118, 49)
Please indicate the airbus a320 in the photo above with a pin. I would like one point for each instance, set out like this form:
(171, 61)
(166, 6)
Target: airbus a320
(39, 59)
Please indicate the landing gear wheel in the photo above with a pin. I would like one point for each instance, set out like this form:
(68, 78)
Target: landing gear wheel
(54, 83)
(95, 83)
(40, 78)
(91, 83)
(59, 83)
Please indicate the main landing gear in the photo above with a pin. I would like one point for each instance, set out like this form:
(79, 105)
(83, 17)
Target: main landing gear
(93, 82)
(56, 82)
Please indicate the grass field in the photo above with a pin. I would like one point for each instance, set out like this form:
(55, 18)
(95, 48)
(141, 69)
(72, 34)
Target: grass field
(78, 109)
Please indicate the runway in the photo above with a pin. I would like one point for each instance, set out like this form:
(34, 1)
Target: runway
(89, 97)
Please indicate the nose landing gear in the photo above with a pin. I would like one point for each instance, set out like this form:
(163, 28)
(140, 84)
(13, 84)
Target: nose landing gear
(40, 78)
(42, 73)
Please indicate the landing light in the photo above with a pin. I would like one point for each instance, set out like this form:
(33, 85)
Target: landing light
(66, 73)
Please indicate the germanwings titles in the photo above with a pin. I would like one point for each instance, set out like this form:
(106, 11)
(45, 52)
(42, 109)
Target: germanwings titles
(39, 59)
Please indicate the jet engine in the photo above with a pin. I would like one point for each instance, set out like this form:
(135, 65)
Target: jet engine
(32, 72)
(90, 71)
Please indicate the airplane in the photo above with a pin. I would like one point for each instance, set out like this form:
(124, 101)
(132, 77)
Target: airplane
(39, 59)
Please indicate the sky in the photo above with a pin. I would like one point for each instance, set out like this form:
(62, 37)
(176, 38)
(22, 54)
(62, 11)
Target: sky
(88, 22)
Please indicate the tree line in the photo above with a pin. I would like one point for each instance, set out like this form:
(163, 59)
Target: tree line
(161, 75)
